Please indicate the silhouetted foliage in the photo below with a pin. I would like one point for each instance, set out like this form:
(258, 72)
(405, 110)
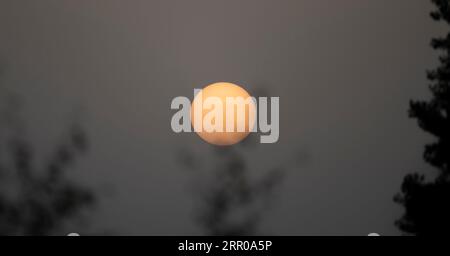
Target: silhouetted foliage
(232, 199)
(233, 202)
(37, 199)
(427, 208)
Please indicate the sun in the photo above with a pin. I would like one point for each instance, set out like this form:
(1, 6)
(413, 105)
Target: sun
(243, 117)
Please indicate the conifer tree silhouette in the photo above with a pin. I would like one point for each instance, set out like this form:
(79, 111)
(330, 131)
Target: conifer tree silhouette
(427, 203)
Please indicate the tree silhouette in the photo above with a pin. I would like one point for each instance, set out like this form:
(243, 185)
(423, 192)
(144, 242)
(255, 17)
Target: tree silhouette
(233, 203)
(232, 200)
(37, 199)
(427, 208)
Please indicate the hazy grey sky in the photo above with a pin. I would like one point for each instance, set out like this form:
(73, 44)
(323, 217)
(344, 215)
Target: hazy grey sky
(344, 70)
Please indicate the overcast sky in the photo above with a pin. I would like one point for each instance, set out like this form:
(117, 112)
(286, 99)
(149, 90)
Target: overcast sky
(344, 71)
